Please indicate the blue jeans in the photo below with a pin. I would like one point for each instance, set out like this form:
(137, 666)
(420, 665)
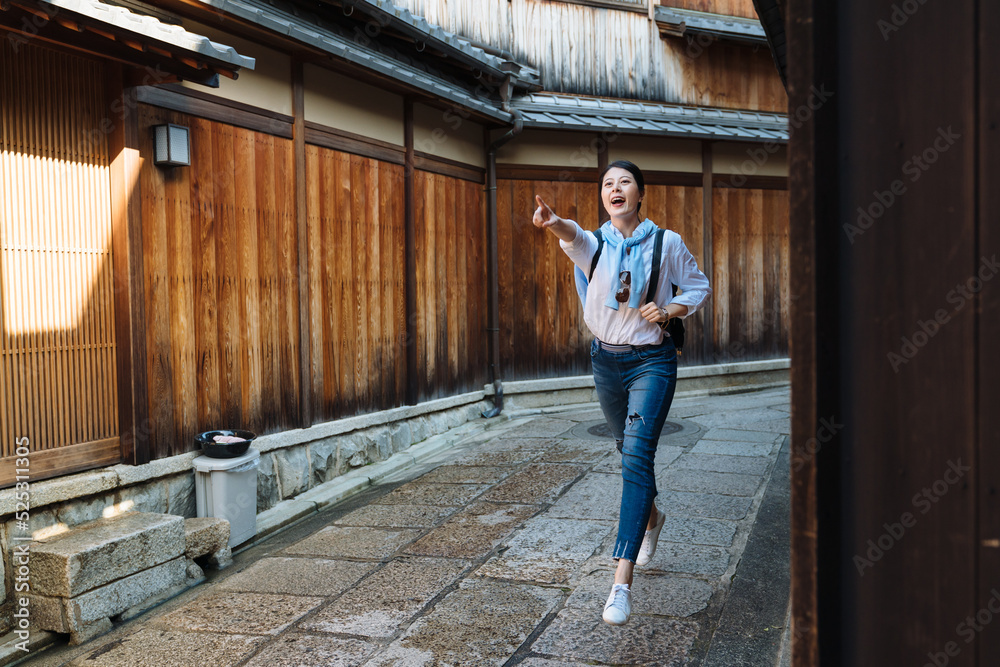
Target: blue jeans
(635, 388)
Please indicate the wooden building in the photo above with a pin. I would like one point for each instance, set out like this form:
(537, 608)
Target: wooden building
(354, 166)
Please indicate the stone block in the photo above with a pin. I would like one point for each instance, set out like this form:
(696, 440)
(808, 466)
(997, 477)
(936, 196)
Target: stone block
(85, 634)
(181, 495)
(105, 550)
(402, 437)
(117, 596)
(267, 484)
(293, 470)
(221, 559)
(205, 535)
(48, 613)
(61, 489)
(147, 497)
(323, 459)
(83, 511)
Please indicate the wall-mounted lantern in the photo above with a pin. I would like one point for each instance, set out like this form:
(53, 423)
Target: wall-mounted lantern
(171, 146)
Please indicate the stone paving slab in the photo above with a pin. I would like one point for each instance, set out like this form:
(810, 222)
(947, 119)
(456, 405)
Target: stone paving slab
(740, 435)
(577, 451)
(303, 650)
(151, 647)
(662, 595)
(537, 483)
(455, 474)
(646, 640)
(507, 443)
(426, 493)
(744, 465)
(481, 624)
(547, 550)
(705, 481)
(688, 559)
(384, 602)
(239, 613)
(397, 516)
(541, 427)
(596, 496)
(513, 457)
(692, 530)
(298, 576)
(733, 448)
(709, 505)
(353, 542)
(781, 425)
(473, 532)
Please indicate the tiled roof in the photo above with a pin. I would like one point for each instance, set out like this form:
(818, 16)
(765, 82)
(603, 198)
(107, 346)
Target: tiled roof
(345, 46)
(687, 21)
(566, 112)
(149, 28)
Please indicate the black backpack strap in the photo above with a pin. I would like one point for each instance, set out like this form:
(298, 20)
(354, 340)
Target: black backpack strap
(654, 272)
(597, 255)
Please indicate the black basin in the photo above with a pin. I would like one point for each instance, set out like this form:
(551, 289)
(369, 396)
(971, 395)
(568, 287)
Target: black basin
(224, 450)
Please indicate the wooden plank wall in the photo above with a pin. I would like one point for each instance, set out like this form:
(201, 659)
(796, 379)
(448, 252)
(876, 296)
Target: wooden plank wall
(221, 284)
(451, 340)
(356, 283)
(542, 332)
(742, 8)
(615, 52)
(58, 380)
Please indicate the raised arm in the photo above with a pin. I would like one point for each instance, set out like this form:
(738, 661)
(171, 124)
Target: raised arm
(544, 218)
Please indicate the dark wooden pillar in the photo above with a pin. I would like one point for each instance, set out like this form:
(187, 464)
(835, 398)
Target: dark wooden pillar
(302, 225)
(410, 236)
(895, 527)
(130, 291)
(708, 338)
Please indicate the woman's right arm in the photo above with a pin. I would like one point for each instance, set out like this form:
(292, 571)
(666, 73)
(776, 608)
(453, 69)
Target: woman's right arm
(544, 218)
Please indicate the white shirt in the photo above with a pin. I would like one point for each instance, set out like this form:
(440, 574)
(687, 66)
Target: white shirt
(626, 326)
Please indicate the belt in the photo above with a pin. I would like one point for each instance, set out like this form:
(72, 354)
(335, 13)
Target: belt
(623, 348)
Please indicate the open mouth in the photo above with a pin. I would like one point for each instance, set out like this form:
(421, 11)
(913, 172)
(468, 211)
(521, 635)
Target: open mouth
(617, 200)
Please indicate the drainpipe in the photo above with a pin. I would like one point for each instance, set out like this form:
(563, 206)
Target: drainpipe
(493, 325)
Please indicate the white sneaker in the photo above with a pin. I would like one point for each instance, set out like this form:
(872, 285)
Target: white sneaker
(619, 605)
(648, 547)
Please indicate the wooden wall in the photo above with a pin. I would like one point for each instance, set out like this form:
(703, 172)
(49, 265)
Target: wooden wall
(451, 342)
(58, 379)
(586, 50)
(220, 252)
(742, 8)
(542, 331)
(356, 283)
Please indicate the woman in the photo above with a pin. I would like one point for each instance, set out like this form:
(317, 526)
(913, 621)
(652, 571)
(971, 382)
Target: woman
(635, 363)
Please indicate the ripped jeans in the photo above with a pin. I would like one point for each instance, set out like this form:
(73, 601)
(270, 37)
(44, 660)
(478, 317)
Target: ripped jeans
(635, 388)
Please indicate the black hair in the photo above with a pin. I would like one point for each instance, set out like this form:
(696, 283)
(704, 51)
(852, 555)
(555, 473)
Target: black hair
(631, 168)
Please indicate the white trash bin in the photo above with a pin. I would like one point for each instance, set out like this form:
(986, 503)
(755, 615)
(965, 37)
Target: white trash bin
(227, 489)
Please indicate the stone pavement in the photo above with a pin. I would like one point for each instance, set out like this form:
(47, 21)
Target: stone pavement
(498, 553)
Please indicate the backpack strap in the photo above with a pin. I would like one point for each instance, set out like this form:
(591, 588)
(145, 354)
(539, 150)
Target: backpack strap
(654, 272)
(597, 255)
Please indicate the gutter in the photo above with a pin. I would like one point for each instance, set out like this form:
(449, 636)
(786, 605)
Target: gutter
(493, 274)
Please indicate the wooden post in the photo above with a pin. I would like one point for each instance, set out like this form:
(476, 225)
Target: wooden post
(602, 164)
(410, 237)
(126, 239)
(302, 226)
(708, 337)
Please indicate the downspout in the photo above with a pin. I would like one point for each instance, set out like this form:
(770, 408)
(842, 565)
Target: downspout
(492, 266)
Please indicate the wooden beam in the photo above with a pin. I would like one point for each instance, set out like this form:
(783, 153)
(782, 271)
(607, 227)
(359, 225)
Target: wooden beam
(602, 164)
(302, 226)
(410, 238)
(127, 250)
(708, 344)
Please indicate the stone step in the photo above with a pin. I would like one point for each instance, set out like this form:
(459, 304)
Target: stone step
(103, 551)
